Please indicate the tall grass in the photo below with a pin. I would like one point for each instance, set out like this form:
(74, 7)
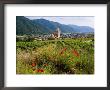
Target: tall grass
(55, 57)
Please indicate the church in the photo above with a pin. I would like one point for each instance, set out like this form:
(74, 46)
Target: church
(56, 34)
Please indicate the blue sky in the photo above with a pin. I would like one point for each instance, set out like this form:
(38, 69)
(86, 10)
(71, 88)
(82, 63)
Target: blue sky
(76, 20)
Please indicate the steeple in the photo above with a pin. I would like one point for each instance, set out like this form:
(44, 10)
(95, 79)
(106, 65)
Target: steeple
(58, 31)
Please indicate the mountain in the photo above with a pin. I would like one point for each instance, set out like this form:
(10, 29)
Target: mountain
(52, 26)
(26, 26)
(43, 26)
(82, 29)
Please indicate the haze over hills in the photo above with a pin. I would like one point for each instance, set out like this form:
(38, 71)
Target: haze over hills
(83, 29)
(43, 26)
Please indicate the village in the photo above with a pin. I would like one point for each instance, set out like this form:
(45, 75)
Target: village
(54, 36)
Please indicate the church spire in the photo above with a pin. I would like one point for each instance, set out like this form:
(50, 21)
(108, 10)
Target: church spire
(58, 30)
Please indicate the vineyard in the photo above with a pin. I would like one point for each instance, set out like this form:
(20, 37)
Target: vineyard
(66, 56)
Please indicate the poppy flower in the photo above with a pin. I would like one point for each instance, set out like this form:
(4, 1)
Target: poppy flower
(75, 53)
(39, 70)
(62, 51)
(33, 64)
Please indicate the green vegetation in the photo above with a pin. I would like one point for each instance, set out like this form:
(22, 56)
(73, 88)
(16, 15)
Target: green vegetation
(69, 56)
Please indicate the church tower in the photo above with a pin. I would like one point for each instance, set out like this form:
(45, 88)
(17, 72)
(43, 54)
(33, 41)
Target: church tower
(59, 32)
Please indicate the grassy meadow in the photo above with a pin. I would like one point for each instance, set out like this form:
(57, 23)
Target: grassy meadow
(65, 56)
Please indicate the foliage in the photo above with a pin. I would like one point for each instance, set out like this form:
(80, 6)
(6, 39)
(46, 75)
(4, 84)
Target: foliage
(69, 56)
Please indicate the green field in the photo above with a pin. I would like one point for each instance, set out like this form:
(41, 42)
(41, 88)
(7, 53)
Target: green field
(67, 56)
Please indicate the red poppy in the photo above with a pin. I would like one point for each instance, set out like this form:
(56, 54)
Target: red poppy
(62, 51)
(39, 70)
(75, 53)
(33, 64)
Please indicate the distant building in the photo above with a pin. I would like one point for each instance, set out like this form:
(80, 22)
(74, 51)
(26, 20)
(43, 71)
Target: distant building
(56, 34)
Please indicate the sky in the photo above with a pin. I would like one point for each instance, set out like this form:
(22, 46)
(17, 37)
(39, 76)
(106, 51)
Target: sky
(76, 20)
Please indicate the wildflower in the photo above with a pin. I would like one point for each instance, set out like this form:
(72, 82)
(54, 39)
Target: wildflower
(33, 64)
(39, 70)
(64, 49)
(75, 53)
